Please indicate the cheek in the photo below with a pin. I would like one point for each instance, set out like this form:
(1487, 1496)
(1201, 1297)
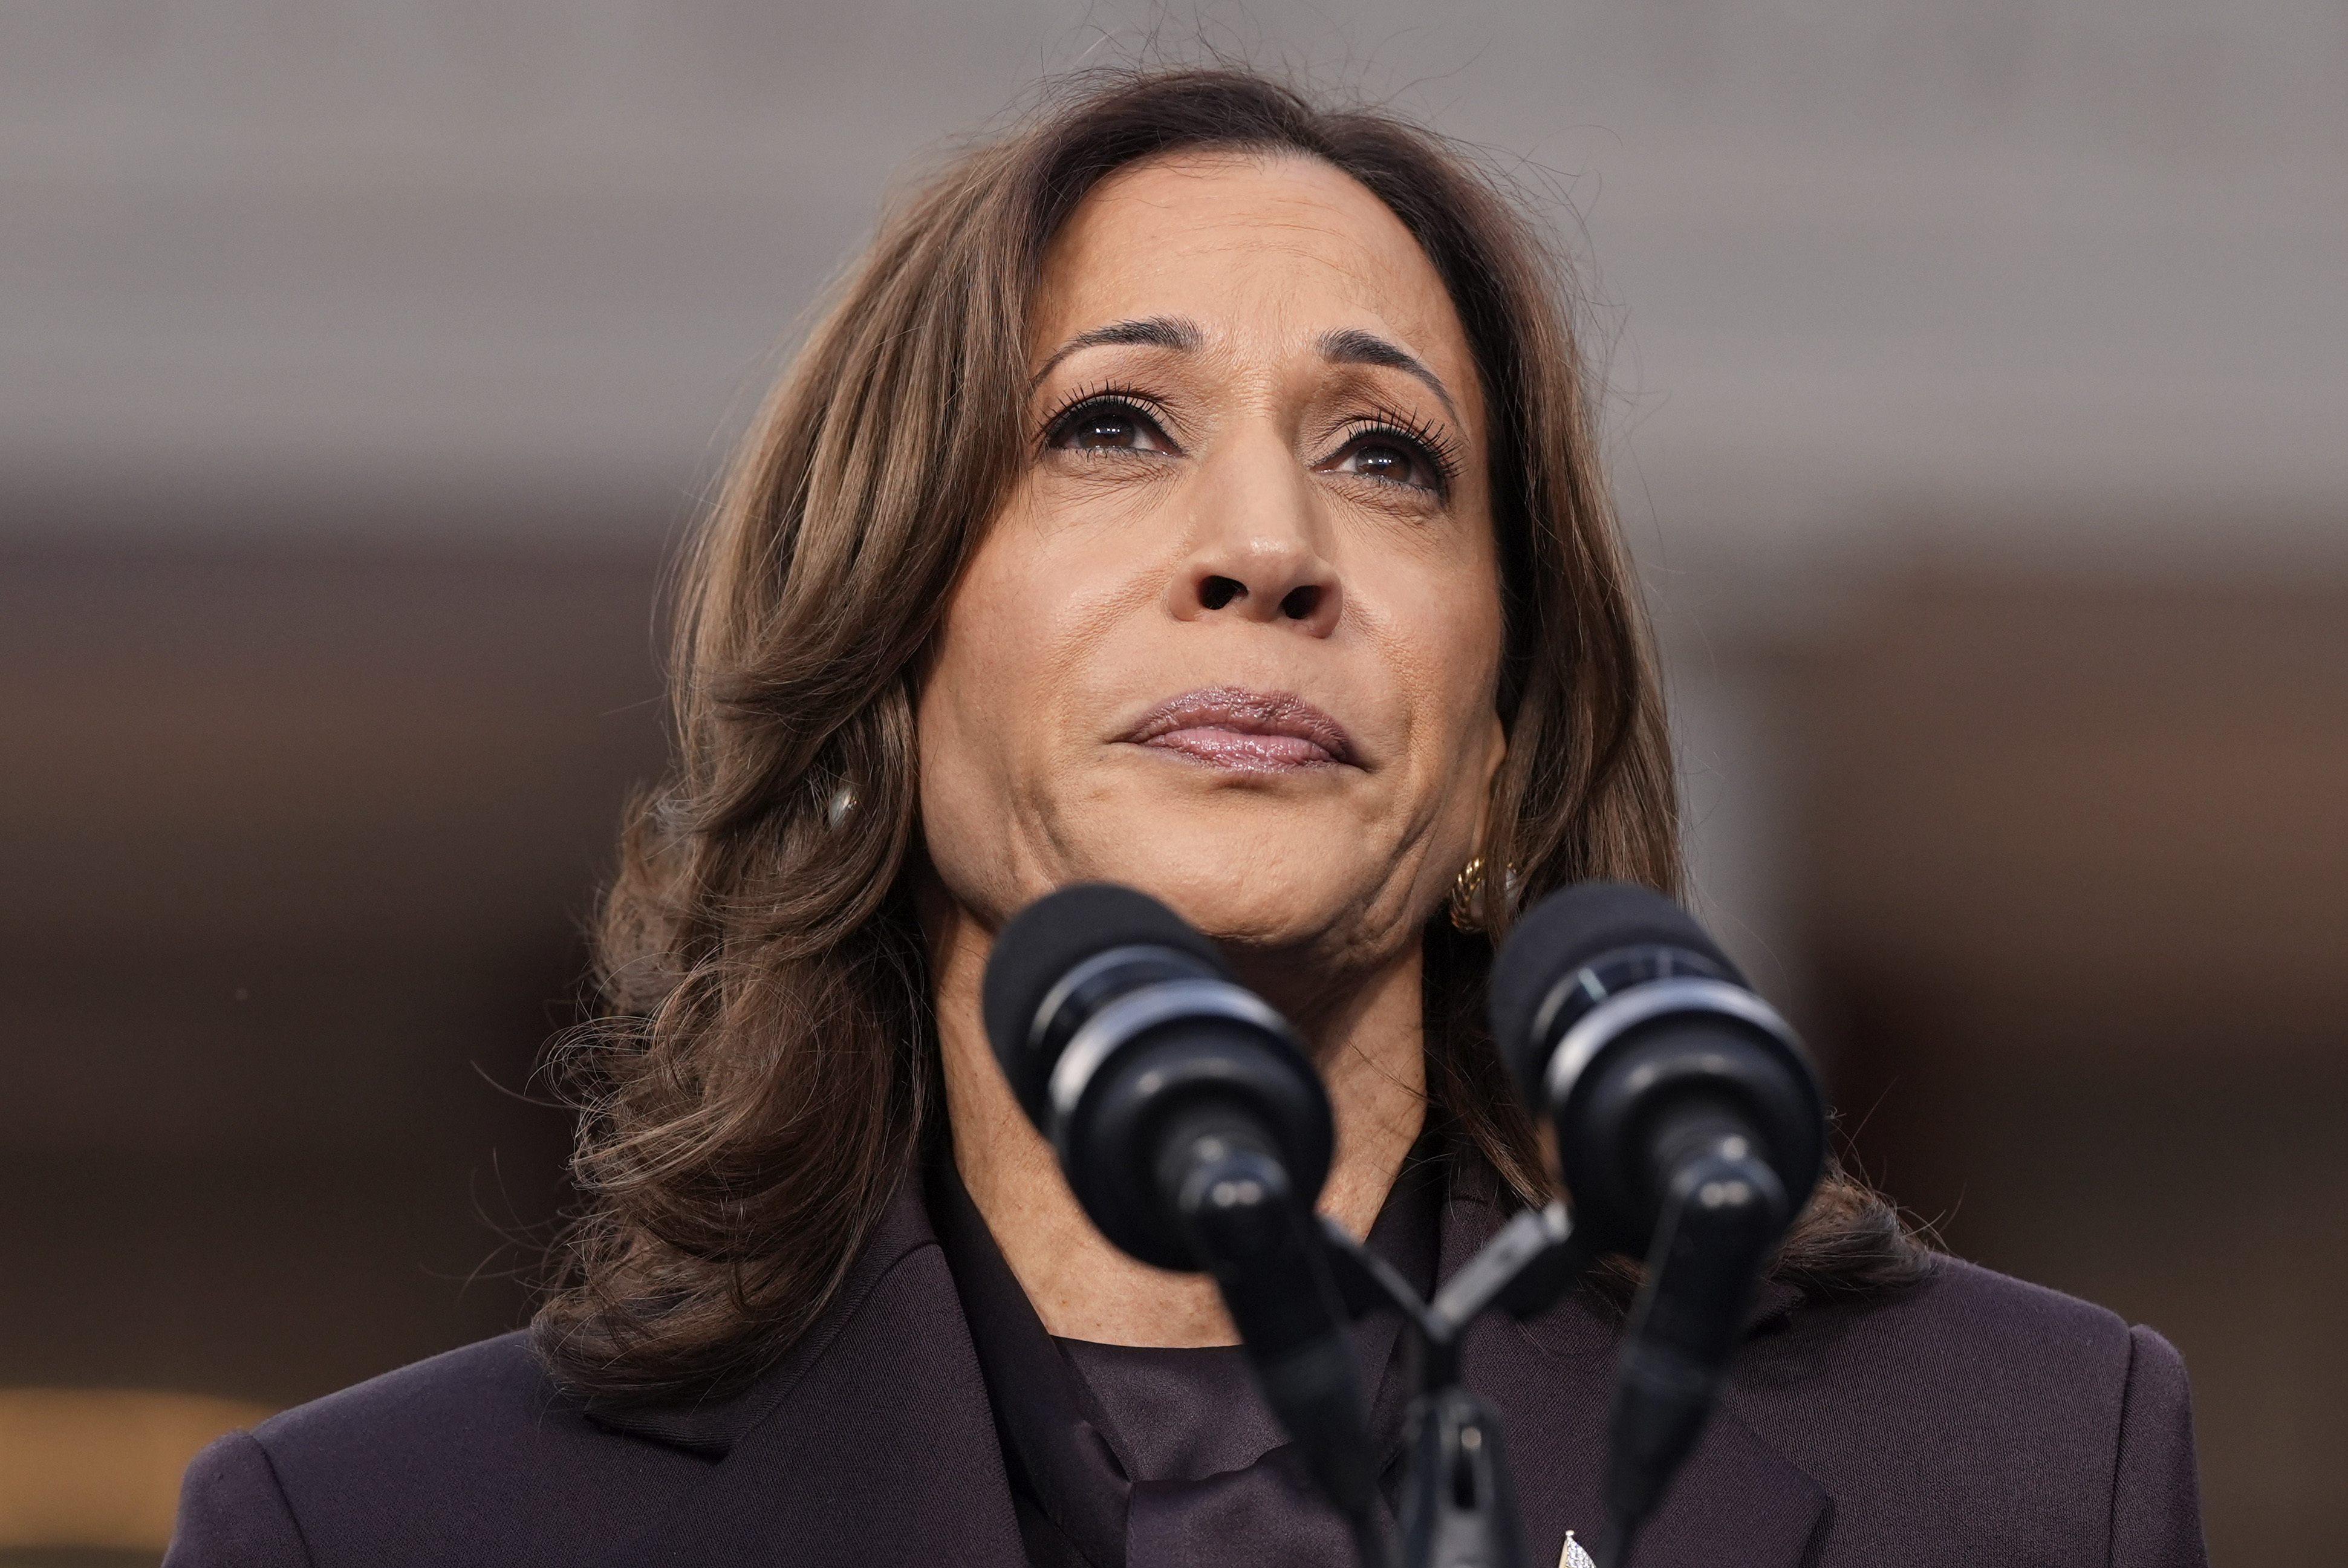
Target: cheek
(1017, 636)
(966, 749)
(1444, 627)
(973, 678)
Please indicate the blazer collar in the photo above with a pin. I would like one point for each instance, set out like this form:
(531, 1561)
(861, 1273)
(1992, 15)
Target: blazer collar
(710, 1426)
(871, 1440)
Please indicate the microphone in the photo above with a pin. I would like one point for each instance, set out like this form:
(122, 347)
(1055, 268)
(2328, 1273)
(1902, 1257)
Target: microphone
(1196, 1135)
(1690, 1129)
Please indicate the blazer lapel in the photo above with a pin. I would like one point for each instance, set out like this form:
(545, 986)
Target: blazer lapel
(1735, 1502)
(870, 1443)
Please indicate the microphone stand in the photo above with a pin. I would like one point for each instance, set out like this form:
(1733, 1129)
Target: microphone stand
(1458, 1508)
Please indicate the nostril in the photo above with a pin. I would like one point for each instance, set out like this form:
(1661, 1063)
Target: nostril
(1217, 592)
(1300, 603)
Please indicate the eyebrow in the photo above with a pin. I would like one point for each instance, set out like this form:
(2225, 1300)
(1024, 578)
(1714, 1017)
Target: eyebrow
(1351, 346)
(1341, 345)
(1148, 332)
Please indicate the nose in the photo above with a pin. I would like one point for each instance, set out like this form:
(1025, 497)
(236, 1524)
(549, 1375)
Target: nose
(1257, 545)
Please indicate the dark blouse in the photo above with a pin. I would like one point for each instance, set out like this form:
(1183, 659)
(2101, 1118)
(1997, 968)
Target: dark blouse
(1123, 1457)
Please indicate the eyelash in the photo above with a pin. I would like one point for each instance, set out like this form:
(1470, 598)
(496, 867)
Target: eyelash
(1106, 395)
(1440, 451)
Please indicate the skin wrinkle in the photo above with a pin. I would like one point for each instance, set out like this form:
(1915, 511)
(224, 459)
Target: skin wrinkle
(1082, 610)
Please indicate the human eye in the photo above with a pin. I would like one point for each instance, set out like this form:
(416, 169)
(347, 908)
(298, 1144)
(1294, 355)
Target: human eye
(1390, 449)
(1105, 421)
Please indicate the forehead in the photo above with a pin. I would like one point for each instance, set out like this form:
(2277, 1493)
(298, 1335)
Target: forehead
(1246, 243)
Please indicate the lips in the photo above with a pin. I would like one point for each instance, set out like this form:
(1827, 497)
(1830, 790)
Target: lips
(1246, 731)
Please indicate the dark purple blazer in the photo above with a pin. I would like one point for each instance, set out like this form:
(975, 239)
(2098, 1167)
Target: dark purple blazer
(1971, 1419)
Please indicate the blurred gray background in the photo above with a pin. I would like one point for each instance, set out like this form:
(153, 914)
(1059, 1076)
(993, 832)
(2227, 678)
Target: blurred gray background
(1978, 408)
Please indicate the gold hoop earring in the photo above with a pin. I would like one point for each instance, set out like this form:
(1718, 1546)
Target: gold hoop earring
(1467, 896)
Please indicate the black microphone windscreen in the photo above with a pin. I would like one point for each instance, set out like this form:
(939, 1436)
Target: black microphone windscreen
(1562, 933)
(1061, 930)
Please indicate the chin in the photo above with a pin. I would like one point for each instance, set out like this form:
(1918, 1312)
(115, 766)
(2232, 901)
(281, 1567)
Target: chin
(1314, 892)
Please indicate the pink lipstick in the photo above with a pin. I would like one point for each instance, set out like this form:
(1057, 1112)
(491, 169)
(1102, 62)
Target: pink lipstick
(1246, 731)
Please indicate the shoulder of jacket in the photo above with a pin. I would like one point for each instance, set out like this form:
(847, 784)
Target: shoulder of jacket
(1961, 1297)
(473, 1457)
(1971, 1409)
(460, 1390)
(1968, 1287)
(233, 1512)
(1963, 1333)
(1953, 1298)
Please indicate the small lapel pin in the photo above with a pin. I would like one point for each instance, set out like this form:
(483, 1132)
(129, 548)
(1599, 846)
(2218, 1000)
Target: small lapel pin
(1571, 1556)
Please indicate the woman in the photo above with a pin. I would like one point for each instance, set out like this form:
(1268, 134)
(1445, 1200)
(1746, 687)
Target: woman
(1193, 490)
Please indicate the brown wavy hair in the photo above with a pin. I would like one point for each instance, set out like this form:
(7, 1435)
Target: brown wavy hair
(768, 1063)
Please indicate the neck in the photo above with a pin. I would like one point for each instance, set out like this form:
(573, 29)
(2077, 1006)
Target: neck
(1367, 1042)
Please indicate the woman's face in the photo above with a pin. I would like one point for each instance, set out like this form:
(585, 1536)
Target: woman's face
(1234, 636)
